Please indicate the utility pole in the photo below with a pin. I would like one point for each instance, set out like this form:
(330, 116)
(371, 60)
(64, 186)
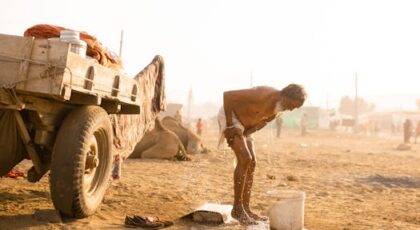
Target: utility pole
(327, 102)
(190, 102)
(251, 80)
(121, 43)
(356, 100)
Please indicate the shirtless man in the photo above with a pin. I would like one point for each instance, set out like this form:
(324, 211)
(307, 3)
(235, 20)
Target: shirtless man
(244, 112)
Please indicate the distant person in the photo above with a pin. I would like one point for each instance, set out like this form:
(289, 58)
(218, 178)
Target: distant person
(178, 116)
(408, 127)
(303, 124)
(417, 131)
(199, 126)
(279, 124)
(393, 129)
(244, 112)
(375, 127)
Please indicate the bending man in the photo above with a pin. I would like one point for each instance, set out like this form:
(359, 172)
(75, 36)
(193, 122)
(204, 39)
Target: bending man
(244, 112)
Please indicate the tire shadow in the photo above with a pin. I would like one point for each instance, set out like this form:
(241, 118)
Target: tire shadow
(41, 218)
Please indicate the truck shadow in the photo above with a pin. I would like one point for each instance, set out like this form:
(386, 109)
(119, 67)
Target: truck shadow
(22, 221)
(25, 195)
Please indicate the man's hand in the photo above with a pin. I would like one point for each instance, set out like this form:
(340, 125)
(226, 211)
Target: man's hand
(230, 134)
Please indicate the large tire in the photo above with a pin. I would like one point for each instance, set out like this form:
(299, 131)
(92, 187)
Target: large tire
(81, 162)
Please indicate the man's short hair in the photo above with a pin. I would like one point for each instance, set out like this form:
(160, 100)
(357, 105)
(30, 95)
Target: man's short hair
(294, 92)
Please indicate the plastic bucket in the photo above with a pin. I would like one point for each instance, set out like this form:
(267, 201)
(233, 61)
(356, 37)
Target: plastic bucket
(287, 213)
(73, 37)
(69, 35)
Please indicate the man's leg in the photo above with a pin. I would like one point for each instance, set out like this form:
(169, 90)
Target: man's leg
(249, 181)
(244, 160)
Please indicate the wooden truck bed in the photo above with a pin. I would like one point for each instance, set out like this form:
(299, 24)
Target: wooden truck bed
(48, 69)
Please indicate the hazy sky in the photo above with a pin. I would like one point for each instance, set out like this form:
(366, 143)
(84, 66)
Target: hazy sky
(217, 45)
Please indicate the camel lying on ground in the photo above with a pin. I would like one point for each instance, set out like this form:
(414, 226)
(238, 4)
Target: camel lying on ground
(191, 141)
(160, 143)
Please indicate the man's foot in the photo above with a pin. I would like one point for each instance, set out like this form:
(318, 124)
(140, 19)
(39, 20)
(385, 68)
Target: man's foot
(242, 217)
(256, 217)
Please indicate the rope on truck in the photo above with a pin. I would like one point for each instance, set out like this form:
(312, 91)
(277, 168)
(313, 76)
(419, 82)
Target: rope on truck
(54, 67)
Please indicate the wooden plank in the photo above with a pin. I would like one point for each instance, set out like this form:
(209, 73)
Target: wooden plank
(24, 134)
(40, 61)
(111, 107)
(45, 105)
(85, 99)
(103, 81)
(130, 109)
(47, 67)
(27, 53)
(11, 49)
(51, 67)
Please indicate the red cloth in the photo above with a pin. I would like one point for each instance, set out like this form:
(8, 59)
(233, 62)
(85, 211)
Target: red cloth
(15, 174)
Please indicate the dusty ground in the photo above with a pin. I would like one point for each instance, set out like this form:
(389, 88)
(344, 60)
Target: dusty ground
(351, 182)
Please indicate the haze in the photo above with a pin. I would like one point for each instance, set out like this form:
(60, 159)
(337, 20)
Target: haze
(212, 46)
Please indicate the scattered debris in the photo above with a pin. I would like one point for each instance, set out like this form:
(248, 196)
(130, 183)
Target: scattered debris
(271, 177)
(291, 178)
(282, 184)
(15, 174)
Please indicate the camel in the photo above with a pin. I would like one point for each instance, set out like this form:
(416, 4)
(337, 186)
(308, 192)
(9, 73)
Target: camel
(191, 141)
(161, 143)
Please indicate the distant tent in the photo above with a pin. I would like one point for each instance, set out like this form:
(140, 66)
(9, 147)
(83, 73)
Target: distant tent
(316, 118)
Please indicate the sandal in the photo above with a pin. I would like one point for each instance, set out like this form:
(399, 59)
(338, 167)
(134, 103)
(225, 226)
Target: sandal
(146, 222)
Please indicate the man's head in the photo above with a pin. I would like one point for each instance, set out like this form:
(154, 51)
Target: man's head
(293, 96)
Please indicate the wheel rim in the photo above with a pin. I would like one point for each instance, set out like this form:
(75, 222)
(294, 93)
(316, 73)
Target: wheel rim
(95, 163)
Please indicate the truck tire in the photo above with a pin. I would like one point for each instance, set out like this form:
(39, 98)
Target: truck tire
(81, 162)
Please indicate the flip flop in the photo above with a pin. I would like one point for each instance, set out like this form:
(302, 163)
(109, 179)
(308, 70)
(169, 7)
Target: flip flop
(146, 222)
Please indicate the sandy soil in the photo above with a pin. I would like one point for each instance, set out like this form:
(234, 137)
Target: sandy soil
(350, 181)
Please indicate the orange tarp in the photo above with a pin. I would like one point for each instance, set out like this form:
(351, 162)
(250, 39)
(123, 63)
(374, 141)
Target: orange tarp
(94, 47)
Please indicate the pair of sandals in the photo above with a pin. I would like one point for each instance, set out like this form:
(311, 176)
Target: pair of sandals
(146, 222)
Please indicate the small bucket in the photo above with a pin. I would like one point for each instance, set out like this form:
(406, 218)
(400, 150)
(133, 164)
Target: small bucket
(287, 213)
(73, 37)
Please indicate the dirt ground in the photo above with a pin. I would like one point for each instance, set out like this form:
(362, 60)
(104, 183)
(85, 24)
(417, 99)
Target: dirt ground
(351, 182)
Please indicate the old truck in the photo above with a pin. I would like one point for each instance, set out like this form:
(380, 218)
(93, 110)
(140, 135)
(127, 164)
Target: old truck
(57, 108)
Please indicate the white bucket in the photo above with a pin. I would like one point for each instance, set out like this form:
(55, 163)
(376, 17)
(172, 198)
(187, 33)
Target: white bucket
(73, 37)
(69, 35)
(287, 213)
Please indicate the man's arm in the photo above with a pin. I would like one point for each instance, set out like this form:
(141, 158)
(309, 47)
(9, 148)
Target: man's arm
(255, 128)
(259, 126)
(230, 132)
(228, 107)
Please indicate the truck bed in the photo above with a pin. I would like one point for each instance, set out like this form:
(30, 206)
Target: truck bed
(48, 69)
